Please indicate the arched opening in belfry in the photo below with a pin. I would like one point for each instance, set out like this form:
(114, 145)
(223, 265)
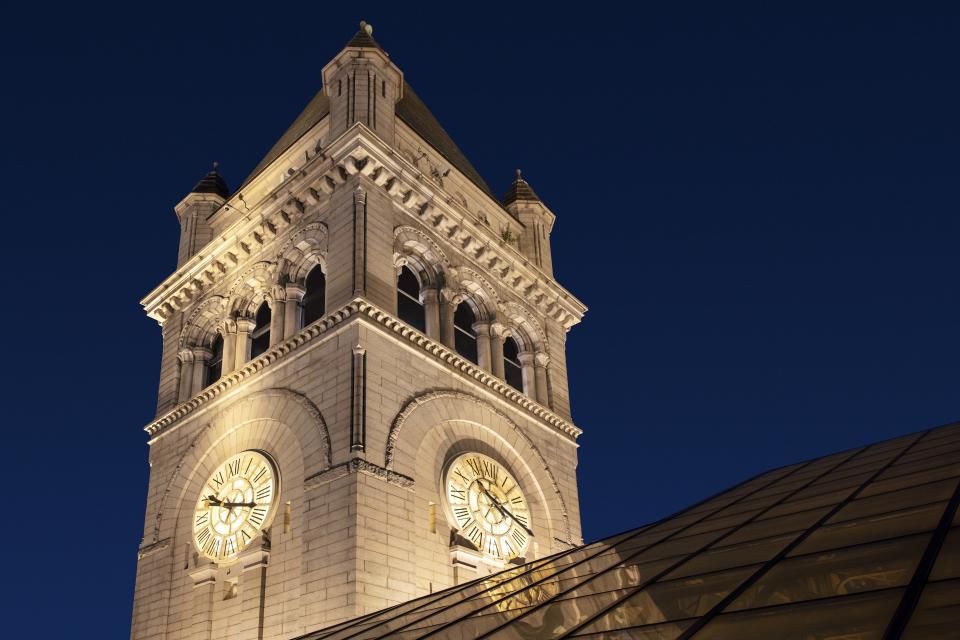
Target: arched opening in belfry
(464, 335)
(315, 298)
(215, 366)
(409, 307)
(260, 337)
(512, 371)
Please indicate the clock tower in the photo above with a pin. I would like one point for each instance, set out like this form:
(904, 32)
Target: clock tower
(363, 390)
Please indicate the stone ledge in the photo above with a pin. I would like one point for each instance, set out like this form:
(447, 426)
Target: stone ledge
(356, 465)
(362, 308)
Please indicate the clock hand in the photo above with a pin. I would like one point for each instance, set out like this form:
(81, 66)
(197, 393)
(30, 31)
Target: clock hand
(231, 505)
(504, 510)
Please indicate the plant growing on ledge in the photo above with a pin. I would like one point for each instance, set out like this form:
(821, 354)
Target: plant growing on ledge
(506, 234)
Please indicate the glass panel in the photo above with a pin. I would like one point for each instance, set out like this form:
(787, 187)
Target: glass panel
(836, 573)
(874, 528)
(714, 523)
(854, 618)
(665, 631)
(947, 564)
(937, 615)
(896, 500)
(776, 526)
(728, 557)
(828, 499)
(673, 600)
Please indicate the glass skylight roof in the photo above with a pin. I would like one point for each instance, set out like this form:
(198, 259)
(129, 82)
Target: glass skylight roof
(858, 545)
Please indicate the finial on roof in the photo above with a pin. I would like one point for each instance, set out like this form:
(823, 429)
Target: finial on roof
(364, 26)
(519, 190)
(213, 182)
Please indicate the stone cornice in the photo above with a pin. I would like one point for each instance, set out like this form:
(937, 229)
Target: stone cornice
(360, 151)
(365, 154)
(363, 309)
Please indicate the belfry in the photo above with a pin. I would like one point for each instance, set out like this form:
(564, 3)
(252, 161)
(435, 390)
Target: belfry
(363, 392)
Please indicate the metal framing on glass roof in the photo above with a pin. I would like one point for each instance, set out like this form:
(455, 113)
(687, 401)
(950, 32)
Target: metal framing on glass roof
(862, 544)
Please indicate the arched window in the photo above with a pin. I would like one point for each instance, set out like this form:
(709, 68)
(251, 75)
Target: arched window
(464, 337)
(261, 332)
(512, 371)
(315, 299)
(409, 307)
(215, 366)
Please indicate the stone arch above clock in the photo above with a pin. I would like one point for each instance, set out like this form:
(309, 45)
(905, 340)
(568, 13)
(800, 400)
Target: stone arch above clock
(437, 425)
(284, 423)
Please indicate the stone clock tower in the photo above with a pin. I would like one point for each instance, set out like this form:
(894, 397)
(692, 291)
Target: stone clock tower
(363, 391)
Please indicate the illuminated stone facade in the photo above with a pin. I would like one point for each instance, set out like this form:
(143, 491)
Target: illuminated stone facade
(360, 412)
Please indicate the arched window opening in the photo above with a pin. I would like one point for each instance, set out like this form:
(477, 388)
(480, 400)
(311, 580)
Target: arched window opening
(464, 337)
(261, 332)
(409, 307)
(315, 298)
(512, 371)
(215, 366)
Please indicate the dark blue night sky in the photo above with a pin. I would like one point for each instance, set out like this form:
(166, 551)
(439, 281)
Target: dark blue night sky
(759, 206)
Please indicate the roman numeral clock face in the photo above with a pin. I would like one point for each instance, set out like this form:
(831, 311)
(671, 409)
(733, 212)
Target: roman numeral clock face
(235, 504)
(487, 506)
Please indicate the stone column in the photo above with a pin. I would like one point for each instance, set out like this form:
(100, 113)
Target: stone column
(204, 578)
(448, 306)
(229, 331)
(201, 358)
(244, 327)
(277, 315)
(540, 363)
(484, 356)
(185, 389)
(252, 583)
(496, 349)
(292, 314)
(431, 312)
(529, 377)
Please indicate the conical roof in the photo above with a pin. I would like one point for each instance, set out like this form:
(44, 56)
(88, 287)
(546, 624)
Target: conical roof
(364, 38)
(410, 109)
(520, 190)
(213, 182)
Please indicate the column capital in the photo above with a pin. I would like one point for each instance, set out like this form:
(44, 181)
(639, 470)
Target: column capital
(202, 354)
(541, 359)
(526, 358)
(245, 325)
(185, 355)
(359, 194)
(429, 295)
(497, 330)
(451, 296)
(227, 325)
(482, 328)
(358, 350)
(294, 291)
(279, 293)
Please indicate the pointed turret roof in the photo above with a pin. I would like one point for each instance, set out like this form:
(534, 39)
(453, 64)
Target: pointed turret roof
(520, 190)
(410, 109)
(213, 182)
(363, 39)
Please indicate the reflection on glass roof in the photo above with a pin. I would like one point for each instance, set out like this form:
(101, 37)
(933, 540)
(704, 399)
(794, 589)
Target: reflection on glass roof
(858, 545)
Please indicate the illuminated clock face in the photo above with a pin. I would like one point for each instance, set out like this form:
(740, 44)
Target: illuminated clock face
(488, 507)
(235, 504)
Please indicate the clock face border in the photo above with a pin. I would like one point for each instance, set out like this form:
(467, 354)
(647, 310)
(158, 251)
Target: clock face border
(258, 529)
(448, 507)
